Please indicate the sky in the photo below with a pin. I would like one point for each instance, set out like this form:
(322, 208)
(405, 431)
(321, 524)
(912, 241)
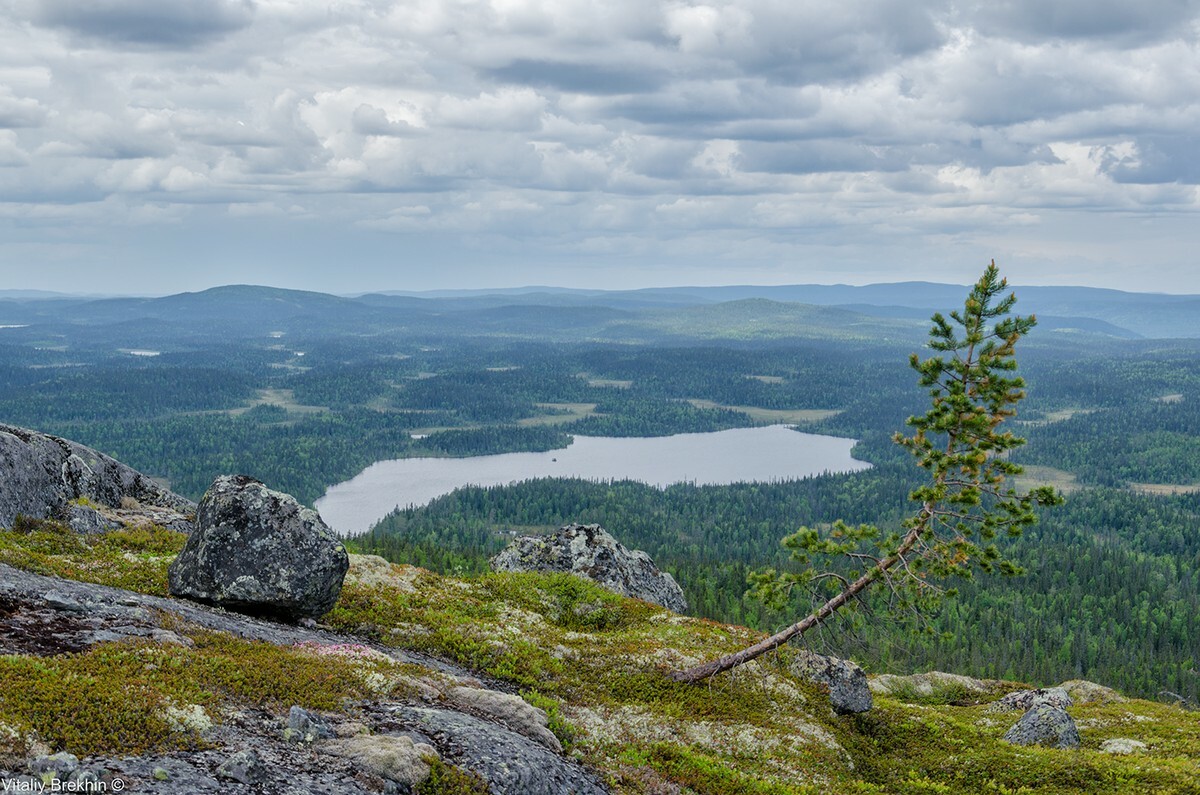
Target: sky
(351, 145)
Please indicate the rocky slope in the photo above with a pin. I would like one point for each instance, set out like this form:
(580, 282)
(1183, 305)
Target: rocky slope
(43, 476)
(509, 683)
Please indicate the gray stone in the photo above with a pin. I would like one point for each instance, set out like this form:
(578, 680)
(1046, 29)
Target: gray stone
(591, 552)
(244, 766)
(1028, 699)
(260, 552)
(47, 477)
(307, 726)
(61, 765)
(1082, 691)
(59, 601)
(1122, 746)
(510, 763)
(1047, 725)
(512, 711)
(845, 680)
(395, 758)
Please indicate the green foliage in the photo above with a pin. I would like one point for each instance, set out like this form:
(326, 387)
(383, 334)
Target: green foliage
(133, 558)
(446, 779)
(562, 729)
(113, 698)
(964, 503)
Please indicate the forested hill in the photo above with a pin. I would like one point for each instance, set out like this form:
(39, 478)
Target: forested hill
(1110, 312)
(304, 390)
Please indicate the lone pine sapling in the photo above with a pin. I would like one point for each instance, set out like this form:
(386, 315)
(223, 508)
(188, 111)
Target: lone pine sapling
(964, 503)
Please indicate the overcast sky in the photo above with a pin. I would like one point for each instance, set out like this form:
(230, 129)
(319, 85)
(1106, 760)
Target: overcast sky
(153, 146)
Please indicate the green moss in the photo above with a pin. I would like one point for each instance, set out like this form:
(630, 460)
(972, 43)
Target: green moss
(558, 725)
(132, 558)
(113, 698)
(446, 779)
(705, 773)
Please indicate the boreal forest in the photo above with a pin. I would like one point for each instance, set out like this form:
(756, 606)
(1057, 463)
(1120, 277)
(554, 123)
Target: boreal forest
(305, 390)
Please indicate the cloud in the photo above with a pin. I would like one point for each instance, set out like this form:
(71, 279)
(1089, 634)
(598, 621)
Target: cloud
(672, 134)
(147, 22)
(1124, 23)
(19, 111)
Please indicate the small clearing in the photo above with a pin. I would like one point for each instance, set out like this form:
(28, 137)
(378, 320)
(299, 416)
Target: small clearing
(768, 379)
(1175, 397)
(1035, 475)
(284, 398)
(562, 413)
(773, 416)
(1166, 489)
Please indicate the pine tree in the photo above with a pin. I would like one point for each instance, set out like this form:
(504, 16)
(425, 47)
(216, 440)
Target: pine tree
(963, 506)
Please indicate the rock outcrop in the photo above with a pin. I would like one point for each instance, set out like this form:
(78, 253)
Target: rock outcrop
(933, 684)
(1045, 724)
(590, 551)
(260, 552)
(1026, 700)
(299, 751)
(46, 477)
(845, 680)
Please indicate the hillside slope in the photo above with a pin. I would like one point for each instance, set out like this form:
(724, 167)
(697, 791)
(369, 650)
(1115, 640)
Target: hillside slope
(403, 642)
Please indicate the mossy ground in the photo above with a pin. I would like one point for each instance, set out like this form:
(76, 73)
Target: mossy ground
(597, 663)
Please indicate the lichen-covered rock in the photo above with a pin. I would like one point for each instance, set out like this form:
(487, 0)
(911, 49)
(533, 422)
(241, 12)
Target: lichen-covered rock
(510, 763)
(1028, 699)
(244, 766)
(1084, 692)
(845, 680)
(306, 727)
(513, 711)
(1122, 746)
(930, 684)
(260, 552)
(590, 551)
(395, 758)
(46, 477)
(1047, 725)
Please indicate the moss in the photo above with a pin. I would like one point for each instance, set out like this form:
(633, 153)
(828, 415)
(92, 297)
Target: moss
(446, 779)
(556, 723)
(131, 558)
(117, 698)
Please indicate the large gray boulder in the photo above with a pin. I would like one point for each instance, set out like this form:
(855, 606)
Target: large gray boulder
(259, 552)
(47, 477)
(590, 551)
(845, 680)
(1045, 724)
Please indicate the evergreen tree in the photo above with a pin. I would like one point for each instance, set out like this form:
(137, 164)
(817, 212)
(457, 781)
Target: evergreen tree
(963, 505)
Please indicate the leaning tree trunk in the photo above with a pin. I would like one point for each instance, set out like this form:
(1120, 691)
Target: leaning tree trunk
(722, 664)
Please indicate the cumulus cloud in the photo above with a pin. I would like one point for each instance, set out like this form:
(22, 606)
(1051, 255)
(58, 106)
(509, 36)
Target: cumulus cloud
(674, 133)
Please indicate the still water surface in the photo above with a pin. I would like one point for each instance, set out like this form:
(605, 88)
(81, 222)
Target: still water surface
(765, 454)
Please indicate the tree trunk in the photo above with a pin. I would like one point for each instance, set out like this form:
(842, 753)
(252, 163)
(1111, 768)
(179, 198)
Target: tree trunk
(714, 667)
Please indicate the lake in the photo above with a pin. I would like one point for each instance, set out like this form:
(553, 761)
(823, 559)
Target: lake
(766, 454)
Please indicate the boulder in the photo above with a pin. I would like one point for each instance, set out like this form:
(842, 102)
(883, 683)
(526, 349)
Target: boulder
(933, 684)
(394, 758)
(1025, 700)
(1044, 724)
(259, 552)
(1122, 746)
(846, 682)
(46, 477)
(1082, 691)
(591, 552)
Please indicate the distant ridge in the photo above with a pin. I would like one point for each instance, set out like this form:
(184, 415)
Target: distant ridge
(1091, 310)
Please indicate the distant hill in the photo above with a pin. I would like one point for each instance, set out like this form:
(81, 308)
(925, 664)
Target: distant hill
(614, 314)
